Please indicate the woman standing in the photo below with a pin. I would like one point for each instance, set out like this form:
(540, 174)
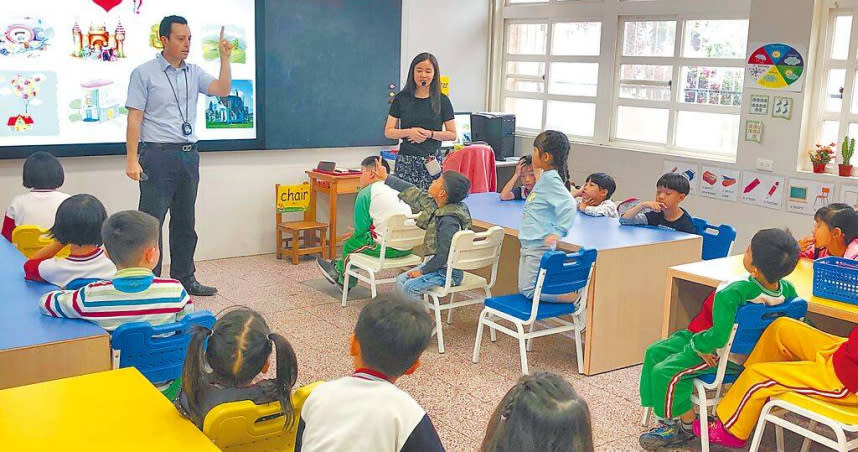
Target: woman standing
(425, 119)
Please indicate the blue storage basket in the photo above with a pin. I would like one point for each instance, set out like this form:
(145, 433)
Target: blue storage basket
(836, 278)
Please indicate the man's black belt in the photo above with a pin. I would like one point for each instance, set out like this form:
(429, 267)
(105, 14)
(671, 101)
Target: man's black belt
(185, 147)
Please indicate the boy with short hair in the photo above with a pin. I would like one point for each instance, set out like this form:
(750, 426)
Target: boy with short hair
(134, 294)
(671, 190)
(442, 215)
(376, 202)
(524, 173)
(366, 411)
(671, 365)
(594, 197)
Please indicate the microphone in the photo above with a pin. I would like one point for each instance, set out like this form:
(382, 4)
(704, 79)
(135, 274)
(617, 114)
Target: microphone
(423, 83)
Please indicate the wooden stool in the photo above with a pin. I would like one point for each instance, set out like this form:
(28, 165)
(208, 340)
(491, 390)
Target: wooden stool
(290, 241)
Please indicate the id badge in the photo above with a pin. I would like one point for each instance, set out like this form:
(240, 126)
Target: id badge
(187, 130)
(433, 167)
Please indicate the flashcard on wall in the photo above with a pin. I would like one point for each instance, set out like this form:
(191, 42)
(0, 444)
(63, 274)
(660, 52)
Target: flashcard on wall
(759, 104)
(754, 131)
(687, 170)
(806, 196)
(763, 190)
(782, 107)
(719, 183)
(849, 195)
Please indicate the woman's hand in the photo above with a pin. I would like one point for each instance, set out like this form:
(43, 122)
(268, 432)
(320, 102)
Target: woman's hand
(417, 135)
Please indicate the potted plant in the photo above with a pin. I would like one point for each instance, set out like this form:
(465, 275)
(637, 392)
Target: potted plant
(821, 156)
(845, 168)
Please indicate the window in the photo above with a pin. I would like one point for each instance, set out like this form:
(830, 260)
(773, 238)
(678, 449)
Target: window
(551, 75)
(679, 84)
(836, 108)
(670, 81)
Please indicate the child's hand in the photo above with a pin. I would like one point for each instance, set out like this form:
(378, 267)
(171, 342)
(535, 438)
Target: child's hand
(710, 359)
(380, 170)
(654, 205)
(806, 242)
(583, 203)
(414, 273)
(519, 167)
(551, 241)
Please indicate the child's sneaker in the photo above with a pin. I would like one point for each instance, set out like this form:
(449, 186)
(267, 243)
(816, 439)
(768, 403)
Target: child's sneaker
(665, 435)
(719, 435)
(328, 271)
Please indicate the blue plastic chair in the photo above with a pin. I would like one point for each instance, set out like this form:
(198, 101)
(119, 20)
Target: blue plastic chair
(559, 273)
(717, 240)
(751, 320)
(158, 352)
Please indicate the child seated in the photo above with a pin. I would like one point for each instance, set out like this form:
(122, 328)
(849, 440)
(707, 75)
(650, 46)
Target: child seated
(791, 356)
(671, 365)
(442, 215)
(594, 197)
(222, 370)
(134, 294)
(835, 233)
(375, 203)
(671, 190)
(524, 173)
(43, 175)
(366, 411)
(78, 225)
(540, 413)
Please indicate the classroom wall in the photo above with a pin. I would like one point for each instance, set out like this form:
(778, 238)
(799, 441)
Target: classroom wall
(636, 172)
(235, 213)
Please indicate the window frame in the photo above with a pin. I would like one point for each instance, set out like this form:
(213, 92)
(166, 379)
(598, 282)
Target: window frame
(610, 13)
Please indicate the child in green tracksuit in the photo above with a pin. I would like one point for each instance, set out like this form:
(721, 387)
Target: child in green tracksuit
(671, 365)
(375, 203)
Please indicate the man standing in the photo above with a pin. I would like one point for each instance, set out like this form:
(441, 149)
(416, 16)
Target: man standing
(162, 110)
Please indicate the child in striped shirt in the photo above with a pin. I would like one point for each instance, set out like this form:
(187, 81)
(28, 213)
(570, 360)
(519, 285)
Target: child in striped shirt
(43, 175)
(594, 197)
(78, 225)
(134, 294)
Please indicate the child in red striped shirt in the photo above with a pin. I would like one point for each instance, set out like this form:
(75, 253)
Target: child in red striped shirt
(134, 294)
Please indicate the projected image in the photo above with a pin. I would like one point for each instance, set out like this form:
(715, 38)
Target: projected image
(65, 67)
(25, 36)
(234, 111)
(28, 103)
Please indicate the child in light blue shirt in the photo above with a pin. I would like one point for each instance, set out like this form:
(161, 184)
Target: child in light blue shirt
(549, 211)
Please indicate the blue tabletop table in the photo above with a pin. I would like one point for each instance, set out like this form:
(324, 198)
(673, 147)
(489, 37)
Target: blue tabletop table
(34, 347)
(626, 296)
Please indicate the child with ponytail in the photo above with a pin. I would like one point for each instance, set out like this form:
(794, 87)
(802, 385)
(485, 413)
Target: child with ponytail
(222, 371)
(549, 211)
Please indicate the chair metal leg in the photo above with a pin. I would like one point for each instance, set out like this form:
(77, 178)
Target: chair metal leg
(579, 350)
(645, 416)
(476, 356)
(450, 311)
(805, 445)
(779, 437)
(530, 340)
(761, 428)
(522, 348)
(703, 413)
(841, 439)
(346, 273)
(372, 285)
(439, 330)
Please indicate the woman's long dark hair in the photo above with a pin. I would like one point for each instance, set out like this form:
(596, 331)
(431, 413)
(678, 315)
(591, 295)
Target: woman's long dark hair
(434, 87)
(541, 413)
(238, 347)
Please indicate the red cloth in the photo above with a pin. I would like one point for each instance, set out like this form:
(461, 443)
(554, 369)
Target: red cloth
(477, 163)
(703, 320)
(846, 362)
(8, 227)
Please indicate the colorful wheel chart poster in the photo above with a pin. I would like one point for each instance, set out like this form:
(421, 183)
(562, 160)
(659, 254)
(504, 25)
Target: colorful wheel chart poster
(775, 66)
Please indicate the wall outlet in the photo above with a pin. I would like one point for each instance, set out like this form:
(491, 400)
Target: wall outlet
(765, 165)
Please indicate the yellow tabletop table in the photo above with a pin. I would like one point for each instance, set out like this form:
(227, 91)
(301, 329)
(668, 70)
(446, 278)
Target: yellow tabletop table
(117, 410)
(689, 284)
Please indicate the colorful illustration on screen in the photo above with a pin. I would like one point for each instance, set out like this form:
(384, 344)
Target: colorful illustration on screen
(107, 4)
(136, 5)
(27, 36)
(233, 34)
(155, 38)
(234, 111)
(32, 107)
(97, 103)
(97, 43)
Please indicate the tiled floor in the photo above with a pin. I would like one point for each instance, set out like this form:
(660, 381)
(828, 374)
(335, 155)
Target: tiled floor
(458, 394)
